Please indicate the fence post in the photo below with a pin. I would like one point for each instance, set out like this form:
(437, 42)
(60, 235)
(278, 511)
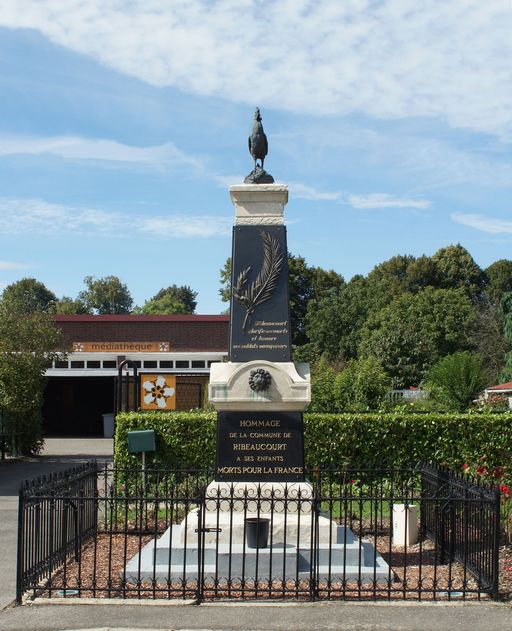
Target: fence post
(200, 544)
(496, 544)
(21, 547)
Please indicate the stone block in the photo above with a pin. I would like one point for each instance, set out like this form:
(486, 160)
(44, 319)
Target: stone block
(290, 388)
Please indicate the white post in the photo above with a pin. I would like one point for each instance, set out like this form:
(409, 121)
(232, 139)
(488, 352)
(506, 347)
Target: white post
(405, 525)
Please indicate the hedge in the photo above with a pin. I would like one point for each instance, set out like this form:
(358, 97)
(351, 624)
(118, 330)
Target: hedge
(187, 439)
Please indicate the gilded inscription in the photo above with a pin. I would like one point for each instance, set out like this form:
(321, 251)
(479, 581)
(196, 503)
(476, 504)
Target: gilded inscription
(265, 335)
(260, 446)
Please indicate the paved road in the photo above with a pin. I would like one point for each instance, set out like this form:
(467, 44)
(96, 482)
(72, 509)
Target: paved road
(58, 454)
(62, 453)
(295, 617)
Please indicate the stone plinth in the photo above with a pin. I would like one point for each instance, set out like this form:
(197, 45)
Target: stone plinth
(290, 388)
(286, 528)
(259, 203)
(343, 558)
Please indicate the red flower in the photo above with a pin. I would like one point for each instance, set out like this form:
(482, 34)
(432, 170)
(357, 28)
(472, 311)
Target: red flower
(498, 472)
(465, 466)
(481, 471)
(505, 490)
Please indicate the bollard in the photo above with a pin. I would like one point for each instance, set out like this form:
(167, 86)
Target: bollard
(405, 525)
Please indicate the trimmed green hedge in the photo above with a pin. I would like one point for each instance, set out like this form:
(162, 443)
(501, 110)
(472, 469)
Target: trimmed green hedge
(187, 439)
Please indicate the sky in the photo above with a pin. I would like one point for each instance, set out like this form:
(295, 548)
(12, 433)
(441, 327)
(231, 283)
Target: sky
(124, 122)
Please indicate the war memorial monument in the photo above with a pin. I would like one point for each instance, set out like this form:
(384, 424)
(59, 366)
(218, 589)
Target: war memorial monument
(260, 519)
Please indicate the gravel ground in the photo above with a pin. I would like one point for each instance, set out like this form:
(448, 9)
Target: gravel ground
(102, 562)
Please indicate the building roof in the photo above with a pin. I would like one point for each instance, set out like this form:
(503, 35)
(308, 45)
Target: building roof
(140, 318)
(501, 386)
(185, 333)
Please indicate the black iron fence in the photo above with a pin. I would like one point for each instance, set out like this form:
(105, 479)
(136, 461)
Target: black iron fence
(420, 533)
(57, 517)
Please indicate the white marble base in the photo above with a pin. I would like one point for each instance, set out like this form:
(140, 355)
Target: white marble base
(286, 528)
(344, 558)
(290, 388)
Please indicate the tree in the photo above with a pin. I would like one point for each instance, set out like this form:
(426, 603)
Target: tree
(506, 309)
(334, 321)
(106, 295)
(28, 295)
(225, 281)
(487, 337)
(410, 334)
(183, 297)
(306, 284)
(422, 272)
(505, 375)
(166, 305)
(457, 268)
(28, 344)
(392, 271)
(68, 306)
(499, 276)
(362, 385)
(457, 379)
(322, 387)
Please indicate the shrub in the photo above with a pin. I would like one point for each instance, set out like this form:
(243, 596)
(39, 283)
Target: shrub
(183, 439)
(187, 439)
(457, 379)
(363, 385)
(322, 387)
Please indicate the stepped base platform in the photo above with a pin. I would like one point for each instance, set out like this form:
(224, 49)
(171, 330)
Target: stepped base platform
(345, 558)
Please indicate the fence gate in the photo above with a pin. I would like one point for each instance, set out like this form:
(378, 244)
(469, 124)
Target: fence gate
(257, 542)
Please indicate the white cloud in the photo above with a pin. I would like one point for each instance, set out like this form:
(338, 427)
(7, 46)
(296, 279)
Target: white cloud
(36, 216)
(6, 265)
(298, 189)
(187, 227)
(77, 148)
(227, 180)
(386, 58)
(383, 200)
(21, 216)
(491, 225)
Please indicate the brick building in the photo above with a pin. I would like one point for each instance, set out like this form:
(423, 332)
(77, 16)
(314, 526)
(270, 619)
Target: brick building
(81, 387)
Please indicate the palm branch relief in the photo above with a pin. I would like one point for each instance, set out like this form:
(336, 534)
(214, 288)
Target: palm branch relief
(262, 289)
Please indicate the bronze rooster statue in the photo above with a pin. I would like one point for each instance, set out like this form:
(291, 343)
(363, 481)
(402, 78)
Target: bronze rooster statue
(258, 148)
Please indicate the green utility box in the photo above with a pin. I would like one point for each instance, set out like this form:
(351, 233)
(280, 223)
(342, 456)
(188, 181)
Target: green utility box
(141, 440)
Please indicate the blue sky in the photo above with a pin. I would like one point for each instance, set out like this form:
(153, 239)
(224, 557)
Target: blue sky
(122, 125)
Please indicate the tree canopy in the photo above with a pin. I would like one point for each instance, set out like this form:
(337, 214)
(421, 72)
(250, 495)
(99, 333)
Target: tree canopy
(28, 343)
(68, 306)
(172, 299)
(166, 305)
(107, 295)
(28, 295)
(499, 277)
(410, 312)
(457, 268)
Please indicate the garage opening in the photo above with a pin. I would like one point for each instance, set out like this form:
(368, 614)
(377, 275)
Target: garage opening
(73, 406)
